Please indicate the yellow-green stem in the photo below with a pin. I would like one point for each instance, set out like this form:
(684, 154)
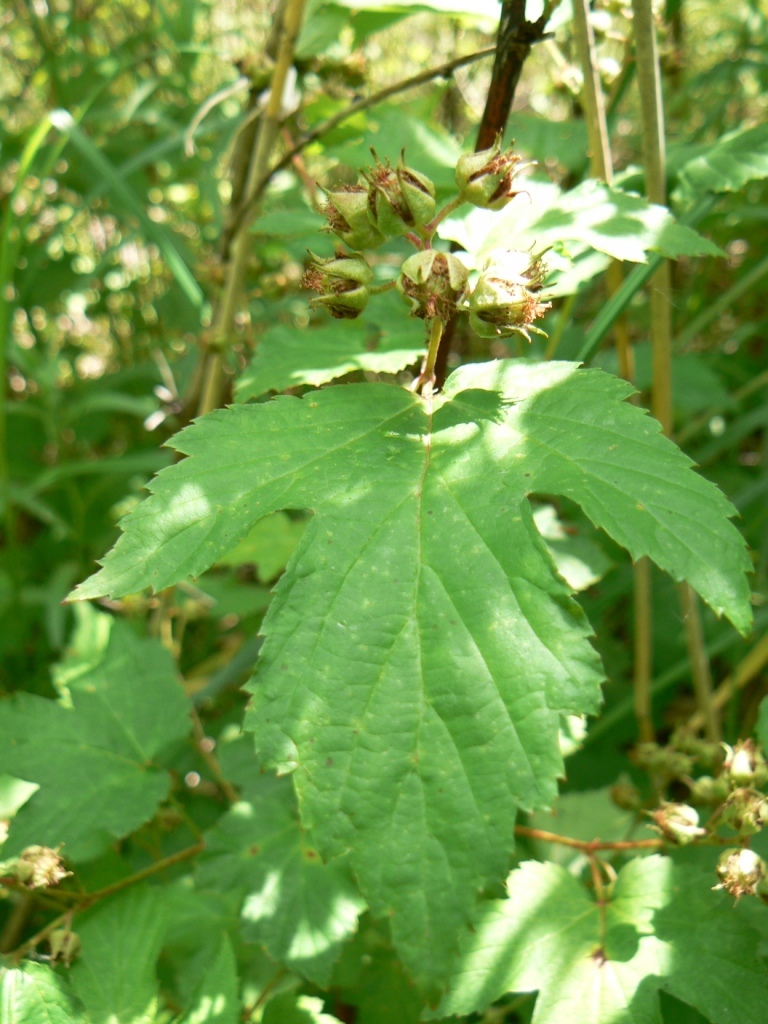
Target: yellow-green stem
(601, 166)
(291, 13)
(435, 334)
(744, 672)
(654, 159)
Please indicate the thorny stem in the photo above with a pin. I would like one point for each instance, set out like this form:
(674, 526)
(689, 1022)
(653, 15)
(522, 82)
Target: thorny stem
(88, 899)
(654, 158)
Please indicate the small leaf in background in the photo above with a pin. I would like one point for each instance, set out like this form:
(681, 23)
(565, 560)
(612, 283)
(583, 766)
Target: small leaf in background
(300, 909)
(115, 974)
(665, 929)
(579, 559)
(728, 164)
(268, 545)
(33, 994)
(289, 358)
(91, 753)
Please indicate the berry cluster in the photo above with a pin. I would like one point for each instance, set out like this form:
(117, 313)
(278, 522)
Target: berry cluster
(400, 201)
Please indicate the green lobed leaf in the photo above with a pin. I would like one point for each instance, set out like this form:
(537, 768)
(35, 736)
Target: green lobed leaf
(665, 930)
(621, 224)
(419, 703)
(729, 164)
(114, 975)
(93, 760)
(34, 994)
(299, 908)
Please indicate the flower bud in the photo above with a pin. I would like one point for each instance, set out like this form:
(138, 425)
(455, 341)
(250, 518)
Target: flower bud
(740, 872)
(746, 811)
(678, 823)
(342, 282)
(709, 792)
(485, 179)
(40, 867)
(505, 299)
(745, 764)
(347, 213)
(399, 199)
(432, 282)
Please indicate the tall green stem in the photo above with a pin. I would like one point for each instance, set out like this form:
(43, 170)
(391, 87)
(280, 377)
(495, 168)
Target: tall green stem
(601, 166)
(654, 158)
(292, 14)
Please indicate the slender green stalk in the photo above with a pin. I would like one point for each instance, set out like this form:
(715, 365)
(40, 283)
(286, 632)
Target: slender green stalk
(744, 673)
(266, 135)
(654, 158)
(601, 164)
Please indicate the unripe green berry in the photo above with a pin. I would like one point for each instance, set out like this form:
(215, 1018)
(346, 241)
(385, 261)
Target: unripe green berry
(432, 282)
(342, 282)
(505, 300)
(347, 213)
(399, 199)
(708, 791)
(485, 179)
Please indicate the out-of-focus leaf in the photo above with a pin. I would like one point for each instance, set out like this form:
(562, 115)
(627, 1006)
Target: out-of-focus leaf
(579, 559)
(268, 545)
(217, 1000)
(34, 994)
(298, 907)
(665, 929)
(114, 975)
(92, 752)
(729, 164)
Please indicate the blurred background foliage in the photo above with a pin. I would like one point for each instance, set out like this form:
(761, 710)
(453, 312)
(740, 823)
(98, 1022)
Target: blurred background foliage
(119, 128)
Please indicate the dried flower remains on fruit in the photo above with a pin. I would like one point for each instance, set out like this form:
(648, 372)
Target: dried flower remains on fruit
(486, 179)
(506, 299)
(342, 282)
(745, 764)
(399, 198)
(40, 867)
(432, 282)
(347, 213)
(678, 823)
(740, 871)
